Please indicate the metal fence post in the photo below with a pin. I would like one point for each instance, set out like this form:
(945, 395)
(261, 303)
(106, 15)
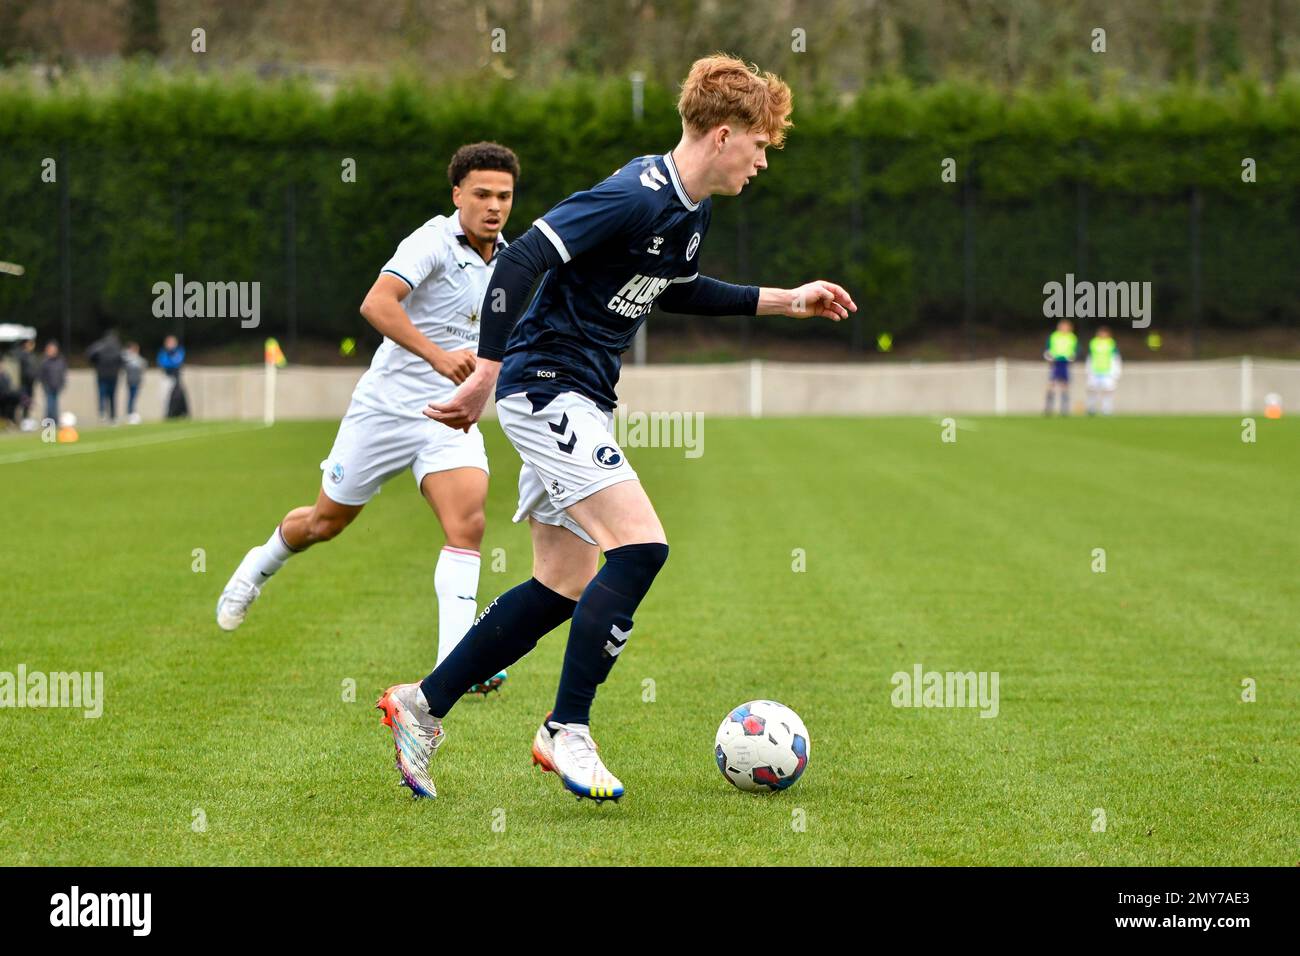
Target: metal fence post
(1194, 227)
(742, 265)
(178, 227)
(65, 248)
(639, 344)
(968, 260)
(1086, 327)
(291, 263)
(856, 254)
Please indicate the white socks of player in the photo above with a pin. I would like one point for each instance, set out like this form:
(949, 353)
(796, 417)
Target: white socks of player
(263, 562)
(455, 580)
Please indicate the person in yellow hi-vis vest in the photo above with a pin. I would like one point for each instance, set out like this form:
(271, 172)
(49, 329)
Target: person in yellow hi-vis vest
(1062, 349)
(1103, 371)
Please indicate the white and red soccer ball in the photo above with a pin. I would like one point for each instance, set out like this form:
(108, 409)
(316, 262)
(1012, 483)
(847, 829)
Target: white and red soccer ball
(762, 746)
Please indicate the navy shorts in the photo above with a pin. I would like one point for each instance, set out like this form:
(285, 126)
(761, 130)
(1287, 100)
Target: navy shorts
(1060, 371)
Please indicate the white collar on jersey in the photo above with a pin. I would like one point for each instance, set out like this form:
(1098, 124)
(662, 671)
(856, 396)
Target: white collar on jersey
(677, 183)
(457, 230)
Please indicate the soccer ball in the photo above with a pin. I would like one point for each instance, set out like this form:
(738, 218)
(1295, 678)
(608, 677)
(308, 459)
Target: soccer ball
(762, 746)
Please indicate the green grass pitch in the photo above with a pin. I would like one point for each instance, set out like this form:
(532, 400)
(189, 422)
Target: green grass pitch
(1119, 691)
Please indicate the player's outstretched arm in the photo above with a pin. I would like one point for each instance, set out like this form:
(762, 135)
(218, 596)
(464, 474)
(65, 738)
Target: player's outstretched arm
(818, 298)
(706, 296)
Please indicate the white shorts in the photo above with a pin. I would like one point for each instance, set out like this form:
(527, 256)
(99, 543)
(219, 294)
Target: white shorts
(372, 446)
(1102, 383)
(569, 454)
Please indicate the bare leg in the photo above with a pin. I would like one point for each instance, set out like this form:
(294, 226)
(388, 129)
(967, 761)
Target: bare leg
(301, 528)
(457, 498)
(305, 526)
(618, 515)
(561, 560)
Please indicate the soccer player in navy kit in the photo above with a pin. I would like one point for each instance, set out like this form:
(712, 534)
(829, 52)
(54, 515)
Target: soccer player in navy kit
(607, 255)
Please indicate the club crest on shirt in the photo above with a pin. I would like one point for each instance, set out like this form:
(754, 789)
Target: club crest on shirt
(692, 246)
(607, 456)
(336, 473)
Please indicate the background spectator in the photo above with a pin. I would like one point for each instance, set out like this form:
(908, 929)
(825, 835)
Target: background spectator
(53, 375)
(170, 359)
(106, 356)
(135, 364)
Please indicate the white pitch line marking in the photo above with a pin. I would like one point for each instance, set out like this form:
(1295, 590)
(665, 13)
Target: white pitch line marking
(127, 443)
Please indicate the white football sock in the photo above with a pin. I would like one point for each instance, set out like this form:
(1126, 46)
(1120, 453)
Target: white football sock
(263, 562)
(455, 580)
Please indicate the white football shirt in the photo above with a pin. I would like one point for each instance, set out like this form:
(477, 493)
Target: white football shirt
(448, 279)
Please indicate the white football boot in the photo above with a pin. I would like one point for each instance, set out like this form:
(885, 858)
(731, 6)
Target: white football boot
(237, 595)
(417, 735)
(572, 756)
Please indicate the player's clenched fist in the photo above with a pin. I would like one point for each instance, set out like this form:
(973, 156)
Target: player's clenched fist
(457, 365)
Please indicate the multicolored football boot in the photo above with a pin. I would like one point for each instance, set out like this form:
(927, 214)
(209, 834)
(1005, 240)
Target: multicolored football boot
(417, 735)
(491, 684)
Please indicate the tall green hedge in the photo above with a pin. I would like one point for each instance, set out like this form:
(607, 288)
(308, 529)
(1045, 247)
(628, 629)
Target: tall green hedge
(213, 178)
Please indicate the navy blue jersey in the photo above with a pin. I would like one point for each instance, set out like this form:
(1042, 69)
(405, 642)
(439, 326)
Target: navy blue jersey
(622, 243)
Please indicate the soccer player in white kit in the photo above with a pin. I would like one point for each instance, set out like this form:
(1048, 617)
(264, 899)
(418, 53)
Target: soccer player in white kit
(425, 302)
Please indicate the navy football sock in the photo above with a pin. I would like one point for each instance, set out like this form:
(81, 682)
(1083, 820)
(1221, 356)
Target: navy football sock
(507, 629)
(602, 622)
